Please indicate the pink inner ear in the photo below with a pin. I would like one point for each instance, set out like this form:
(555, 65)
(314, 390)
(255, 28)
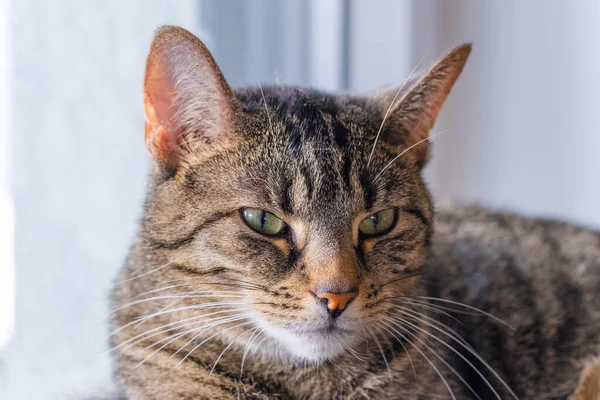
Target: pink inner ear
(161, 105)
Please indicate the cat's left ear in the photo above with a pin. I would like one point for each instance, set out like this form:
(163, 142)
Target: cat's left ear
(412, 112)
(187, 102)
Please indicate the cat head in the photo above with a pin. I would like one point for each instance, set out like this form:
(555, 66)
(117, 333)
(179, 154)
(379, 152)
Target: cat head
(304, 211)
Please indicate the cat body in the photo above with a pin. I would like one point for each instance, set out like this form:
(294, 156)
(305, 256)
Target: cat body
(289, 249)
(545, 288)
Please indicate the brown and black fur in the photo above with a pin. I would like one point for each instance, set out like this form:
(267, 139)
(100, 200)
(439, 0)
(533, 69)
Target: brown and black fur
(436, 295)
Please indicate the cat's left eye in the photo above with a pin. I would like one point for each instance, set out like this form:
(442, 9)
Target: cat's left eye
(378, 224)
(263, 221)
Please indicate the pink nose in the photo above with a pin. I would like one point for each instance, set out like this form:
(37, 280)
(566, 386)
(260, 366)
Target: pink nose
(337, 301)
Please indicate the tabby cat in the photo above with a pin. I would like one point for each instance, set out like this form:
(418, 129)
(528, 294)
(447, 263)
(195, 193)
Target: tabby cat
(289, 250)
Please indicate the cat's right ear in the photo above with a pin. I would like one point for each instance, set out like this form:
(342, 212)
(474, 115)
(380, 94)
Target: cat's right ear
(187, 102)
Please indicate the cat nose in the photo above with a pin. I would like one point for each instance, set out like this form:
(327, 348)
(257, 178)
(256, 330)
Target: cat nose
(336, 302)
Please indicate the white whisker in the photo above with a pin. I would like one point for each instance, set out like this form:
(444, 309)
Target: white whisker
(470, 350)
(382, 352)
(248, 346)
(183, 295)
(419, 316)
(355, 353)
(145, 273)
(437, 371)
(409, 357)
(437, 354)
(143, 320)
(173, 338)
(228, 346)
(428, 306)
(262, 94)
(169, 287)
(218, 304)
(410, 147)
(392, 106)
(468, 307)
(177, 324)
(208, 338)
(204, 328)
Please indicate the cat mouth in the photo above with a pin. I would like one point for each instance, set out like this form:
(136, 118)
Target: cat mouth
(326, 331)
(316, 341)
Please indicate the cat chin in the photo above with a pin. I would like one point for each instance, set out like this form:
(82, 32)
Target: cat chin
(315, 346)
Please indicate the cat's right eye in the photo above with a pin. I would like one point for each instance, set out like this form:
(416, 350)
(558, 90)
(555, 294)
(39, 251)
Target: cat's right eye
(378, 224)
(263, 221)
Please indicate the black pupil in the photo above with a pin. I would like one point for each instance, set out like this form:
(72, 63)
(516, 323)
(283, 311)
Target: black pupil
(263, 219)
(375, 219)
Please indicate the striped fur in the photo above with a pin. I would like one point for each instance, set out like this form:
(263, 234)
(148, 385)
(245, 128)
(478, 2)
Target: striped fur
(467, 303)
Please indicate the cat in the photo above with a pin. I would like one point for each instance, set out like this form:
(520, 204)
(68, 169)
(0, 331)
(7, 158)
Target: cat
(290, 250)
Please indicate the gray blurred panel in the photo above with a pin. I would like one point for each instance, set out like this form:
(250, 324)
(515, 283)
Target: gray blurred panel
(259, 40)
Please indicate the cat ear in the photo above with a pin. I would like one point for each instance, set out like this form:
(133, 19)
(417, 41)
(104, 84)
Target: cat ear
(186, 98)
(412, 112)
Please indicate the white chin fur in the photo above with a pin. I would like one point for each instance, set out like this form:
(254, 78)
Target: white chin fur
(310, 346)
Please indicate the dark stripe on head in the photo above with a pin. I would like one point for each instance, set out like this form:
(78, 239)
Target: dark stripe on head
(347, 171)
(292, 260)
(340, 134)
(285, 197)
(295, 138)
(307, 181)
(255, 245)
(188, 238)
(570, 297)
(189, 270)
(418, 214)
(360, 258)
(369, 191)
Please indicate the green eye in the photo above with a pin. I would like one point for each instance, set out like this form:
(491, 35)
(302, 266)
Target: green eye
(378, 223)
(263, 221)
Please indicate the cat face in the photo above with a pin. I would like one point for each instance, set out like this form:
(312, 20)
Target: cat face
(302, 211)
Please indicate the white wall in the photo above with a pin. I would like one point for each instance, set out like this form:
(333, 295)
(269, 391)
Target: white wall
(6, 206)
(79, 167)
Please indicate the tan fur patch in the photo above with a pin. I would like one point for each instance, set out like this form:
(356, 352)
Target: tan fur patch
(589, 385)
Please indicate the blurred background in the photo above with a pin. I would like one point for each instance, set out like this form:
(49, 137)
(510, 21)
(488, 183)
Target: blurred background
(523, 133)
